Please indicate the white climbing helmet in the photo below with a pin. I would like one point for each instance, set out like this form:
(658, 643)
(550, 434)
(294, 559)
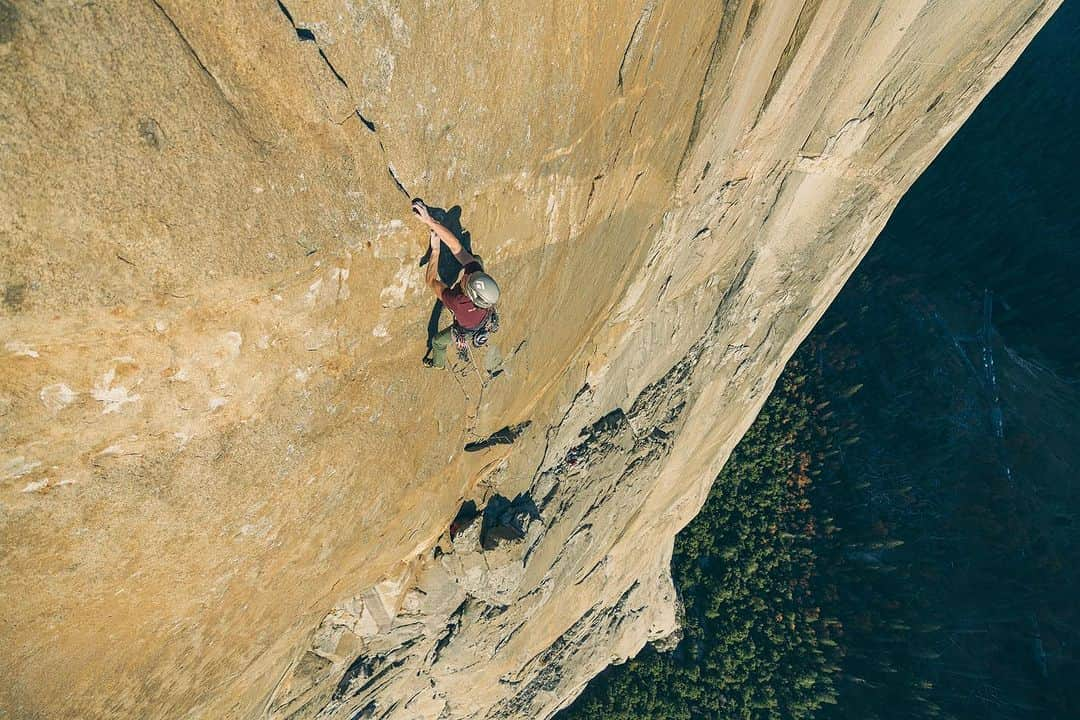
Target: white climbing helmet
(482, 290)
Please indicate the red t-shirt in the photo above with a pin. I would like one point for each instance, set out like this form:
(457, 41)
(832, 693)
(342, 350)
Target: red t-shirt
(466, 314)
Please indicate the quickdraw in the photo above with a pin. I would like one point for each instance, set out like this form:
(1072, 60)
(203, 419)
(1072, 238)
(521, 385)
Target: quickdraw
(461, 342)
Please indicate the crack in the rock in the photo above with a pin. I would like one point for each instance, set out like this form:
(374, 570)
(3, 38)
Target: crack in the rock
(453, 626)
(507, 639)
(330, 65)
(594, 568)
(554, 429)
(588, 200)
(367, 123)
(699, 107)
(307, 35)
(357, 114)
(787, 57)
(775, 200)
(663, 288)
(633, 120)
(198, 60)
(285, 11)
(394, 177)
(635, 38)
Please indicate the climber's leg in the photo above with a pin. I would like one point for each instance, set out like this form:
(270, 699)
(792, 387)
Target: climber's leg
(439, 343)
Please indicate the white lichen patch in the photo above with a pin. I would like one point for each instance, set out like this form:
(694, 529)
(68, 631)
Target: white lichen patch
(16, 347)
(384, 68)
(259, 529)
(394, 295)
(233, 341)
(374, 232)
(36, 485)
(113, 397)
(316, 338)
(16, 467)
(504, 246)
(123, 446)
(312, 294)
(339, 278)
(225, 350)
(57, 397)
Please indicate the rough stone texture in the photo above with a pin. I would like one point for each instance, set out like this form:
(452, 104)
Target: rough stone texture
(223, 470)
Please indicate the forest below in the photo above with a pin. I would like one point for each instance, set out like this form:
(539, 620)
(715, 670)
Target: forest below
(896, 534)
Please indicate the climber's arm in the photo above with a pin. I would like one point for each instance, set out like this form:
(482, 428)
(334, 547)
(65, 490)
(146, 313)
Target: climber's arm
(463, 256)
(431, 276)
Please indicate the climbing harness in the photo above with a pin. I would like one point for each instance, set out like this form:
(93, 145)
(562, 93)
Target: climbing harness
(478, 336)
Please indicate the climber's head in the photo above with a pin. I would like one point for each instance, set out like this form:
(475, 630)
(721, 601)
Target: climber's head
(481, 289)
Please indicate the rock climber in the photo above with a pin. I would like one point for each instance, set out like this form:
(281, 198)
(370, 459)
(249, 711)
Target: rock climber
(471, 299)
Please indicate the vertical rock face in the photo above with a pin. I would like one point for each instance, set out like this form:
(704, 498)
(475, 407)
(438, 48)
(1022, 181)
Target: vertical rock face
(224, 471)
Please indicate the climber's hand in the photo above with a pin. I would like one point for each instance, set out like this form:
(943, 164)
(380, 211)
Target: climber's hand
(421, 211)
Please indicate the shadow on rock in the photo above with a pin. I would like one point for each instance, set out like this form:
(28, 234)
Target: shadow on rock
(505, 436)
(507, 520)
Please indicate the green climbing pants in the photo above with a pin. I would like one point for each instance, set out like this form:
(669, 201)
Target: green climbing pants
(439, 344)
